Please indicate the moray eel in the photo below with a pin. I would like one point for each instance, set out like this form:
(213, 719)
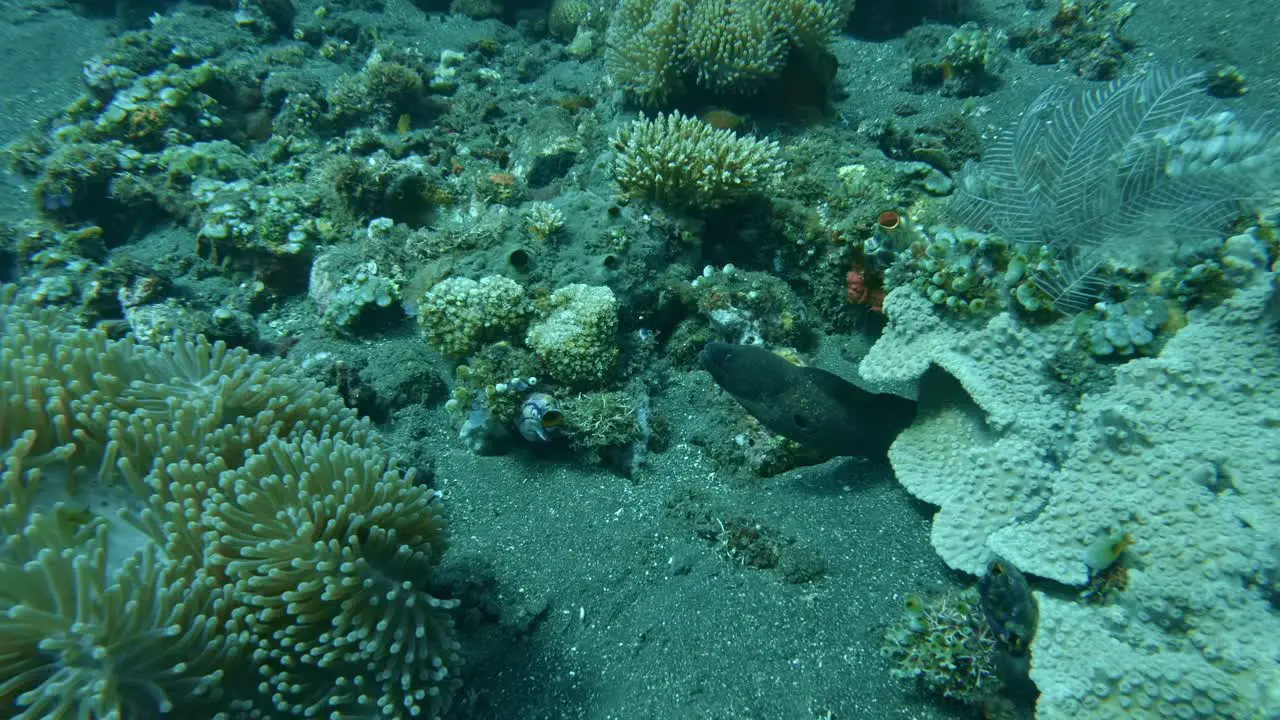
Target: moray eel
(813, 407)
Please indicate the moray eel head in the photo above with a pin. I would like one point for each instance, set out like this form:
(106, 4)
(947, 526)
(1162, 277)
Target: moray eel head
(811, 406)
(743, 370)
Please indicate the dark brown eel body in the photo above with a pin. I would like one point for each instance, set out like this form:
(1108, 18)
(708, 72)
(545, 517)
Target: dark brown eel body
(813, 407)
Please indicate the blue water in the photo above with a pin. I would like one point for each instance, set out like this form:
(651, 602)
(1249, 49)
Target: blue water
(352, 359)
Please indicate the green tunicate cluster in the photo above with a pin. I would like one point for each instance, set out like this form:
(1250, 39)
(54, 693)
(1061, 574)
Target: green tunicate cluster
(1210, 278)
(1024, 277)
(684, 162)
(969, 46)
(216, 160)
(1201, 282)
(967, 271)
(240, 220)
(1086, 35)
(364, 290)
(459, 315)
(965, 64)
(1126, 328)
(353, 292)
(165, 107)
(575, 337)
(658, 48)
(945, 646)
(954, 267)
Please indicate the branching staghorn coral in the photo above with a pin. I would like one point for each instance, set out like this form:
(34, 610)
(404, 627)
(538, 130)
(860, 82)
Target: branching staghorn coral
(282, 566)
(682, 162)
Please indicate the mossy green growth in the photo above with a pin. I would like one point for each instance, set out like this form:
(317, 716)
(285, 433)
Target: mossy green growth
(218, 160)
(954, 267)
(74, 185)
(944, 645)
(382, 186)
(601, 419)
(163, 108)
(383, 91)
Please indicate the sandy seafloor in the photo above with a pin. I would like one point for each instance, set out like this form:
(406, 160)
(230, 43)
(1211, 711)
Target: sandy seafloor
(626, 613)
(605, 602)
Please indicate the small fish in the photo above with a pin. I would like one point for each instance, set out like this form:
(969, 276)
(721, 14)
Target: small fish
(540, 418)
(813, 407)
(1009, 606)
